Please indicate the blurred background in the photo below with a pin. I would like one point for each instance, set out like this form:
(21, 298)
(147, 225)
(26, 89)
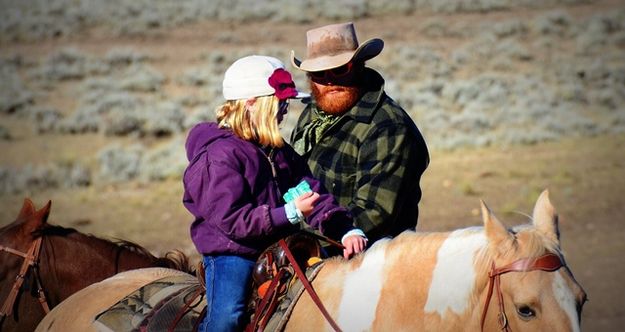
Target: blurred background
(512, 97)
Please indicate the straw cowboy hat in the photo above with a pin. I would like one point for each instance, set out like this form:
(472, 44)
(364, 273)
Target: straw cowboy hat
(334, 45)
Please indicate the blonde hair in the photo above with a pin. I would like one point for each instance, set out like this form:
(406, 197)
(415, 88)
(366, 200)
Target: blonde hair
(259, 125)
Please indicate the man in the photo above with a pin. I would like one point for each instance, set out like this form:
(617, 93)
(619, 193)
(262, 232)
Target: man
(363, 147)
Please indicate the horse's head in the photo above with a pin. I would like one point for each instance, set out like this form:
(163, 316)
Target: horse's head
(537, 294)
(20, 244)
(20, 233)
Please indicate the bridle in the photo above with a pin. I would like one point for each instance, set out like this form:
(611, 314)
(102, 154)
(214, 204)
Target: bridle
(31, 260)
(548, 262)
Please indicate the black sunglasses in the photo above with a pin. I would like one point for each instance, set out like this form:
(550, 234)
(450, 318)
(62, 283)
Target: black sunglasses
(337, 72)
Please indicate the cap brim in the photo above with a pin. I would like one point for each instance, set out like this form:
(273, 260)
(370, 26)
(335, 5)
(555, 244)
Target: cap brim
(301, 95)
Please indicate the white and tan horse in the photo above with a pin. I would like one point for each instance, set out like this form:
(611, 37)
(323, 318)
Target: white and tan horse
(417, 282)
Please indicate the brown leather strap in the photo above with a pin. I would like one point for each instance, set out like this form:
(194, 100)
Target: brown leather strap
(308, 286)
(261, 310)
(548, 262)
(325, 239)
(30, 260)
(185, 309)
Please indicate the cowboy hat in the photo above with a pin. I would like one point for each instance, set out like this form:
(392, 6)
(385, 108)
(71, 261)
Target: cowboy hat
(334, 45)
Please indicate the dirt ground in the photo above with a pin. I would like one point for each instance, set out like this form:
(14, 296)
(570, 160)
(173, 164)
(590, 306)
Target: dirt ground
(585, 176)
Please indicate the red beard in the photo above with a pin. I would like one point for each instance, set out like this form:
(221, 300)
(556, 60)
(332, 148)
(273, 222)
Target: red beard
(333, 99)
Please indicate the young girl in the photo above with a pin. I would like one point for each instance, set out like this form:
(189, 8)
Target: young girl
(239, 169)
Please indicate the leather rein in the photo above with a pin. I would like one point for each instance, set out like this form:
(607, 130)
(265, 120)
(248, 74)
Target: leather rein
(31, 260)
(311, 291)
(548, 262)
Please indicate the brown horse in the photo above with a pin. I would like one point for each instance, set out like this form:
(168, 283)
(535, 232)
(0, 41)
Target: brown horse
(42, 264)
(481, 278)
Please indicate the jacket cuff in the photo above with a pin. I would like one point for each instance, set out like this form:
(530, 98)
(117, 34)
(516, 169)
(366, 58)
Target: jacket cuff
(278, 217)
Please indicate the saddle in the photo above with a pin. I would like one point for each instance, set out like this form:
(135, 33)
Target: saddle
(173, 303)
(178, 303)
(273, 276)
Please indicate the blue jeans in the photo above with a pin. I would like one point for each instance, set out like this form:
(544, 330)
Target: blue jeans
(227, 286)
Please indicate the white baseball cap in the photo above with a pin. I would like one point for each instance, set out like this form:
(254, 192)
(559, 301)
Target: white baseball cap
(258, 75)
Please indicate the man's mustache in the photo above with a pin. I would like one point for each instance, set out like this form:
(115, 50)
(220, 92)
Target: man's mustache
(334, 89)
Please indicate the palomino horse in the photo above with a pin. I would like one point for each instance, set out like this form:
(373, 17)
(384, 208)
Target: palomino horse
(482, 278)
(43, 264)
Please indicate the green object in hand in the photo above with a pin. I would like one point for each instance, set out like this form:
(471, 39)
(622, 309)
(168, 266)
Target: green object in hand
(295, 192)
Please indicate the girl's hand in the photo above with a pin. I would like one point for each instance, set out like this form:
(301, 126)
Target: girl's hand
(306, 202)
(353, 245)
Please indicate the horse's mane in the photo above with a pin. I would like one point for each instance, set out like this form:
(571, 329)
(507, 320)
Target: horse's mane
(174, 259)
(534, 244)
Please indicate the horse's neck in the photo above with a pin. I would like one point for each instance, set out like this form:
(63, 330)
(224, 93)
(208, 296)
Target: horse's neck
(433, 271)
(79, 260)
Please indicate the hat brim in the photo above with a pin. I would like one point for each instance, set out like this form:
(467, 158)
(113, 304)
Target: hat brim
(301, 95)
(367, 50)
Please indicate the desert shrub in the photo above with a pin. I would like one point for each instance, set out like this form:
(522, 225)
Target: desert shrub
(167, 161)
(416, 62)
(471, 122)
(141, 78)
(13, 94)
(200, 76)
(45, 119)
(68, 64)
(616, 122)
(124, 56)
(484, 89)
(590, 42)
(163, 119)
(120, 122)
(199, 114)
(519, 135)
(32, 178)
(513, 50)
(557, 22)
(95, 108)
(118, 164)
(383, 7)
(507, 28)
(39, 19)
(44, 19)
(572, 91)
(454, 6)
(5, 134)
(608, 98)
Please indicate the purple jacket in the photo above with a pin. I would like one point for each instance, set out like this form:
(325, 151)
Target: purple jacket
(236, 198)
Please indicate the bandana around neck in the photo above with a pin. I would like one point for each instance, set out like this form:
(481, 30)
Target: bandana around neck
(313, 131)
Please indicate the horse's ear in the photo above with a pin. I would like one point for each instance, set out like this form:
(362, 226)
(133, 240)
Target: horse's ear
(495, 230)
(545, 218)
(44, 213)
(28, 208)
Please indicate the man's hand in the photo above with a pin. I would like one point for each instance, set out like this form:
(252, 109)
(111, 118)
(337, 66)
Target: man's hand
(353, 245)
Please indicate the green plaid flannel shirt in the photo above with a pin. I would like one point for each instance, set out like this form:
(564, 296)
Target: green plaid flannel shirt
(371, 160)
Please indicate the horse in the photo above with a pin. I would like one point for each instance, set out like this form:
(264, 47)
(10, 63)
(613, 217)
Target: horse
(43, 264)
(478, 278)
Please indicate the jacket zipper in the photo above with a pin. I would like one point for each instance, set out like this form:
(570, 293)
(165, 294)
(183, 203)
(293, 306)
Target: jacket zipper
(274, 172)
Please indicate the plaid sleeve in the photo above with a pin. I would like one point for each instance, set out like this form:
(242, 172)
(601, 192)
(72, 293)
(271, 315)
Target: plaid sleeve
(383, 162)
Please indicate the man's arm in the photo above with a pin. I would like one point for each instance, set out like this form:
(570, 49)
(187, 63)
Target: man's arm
(388, 171)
